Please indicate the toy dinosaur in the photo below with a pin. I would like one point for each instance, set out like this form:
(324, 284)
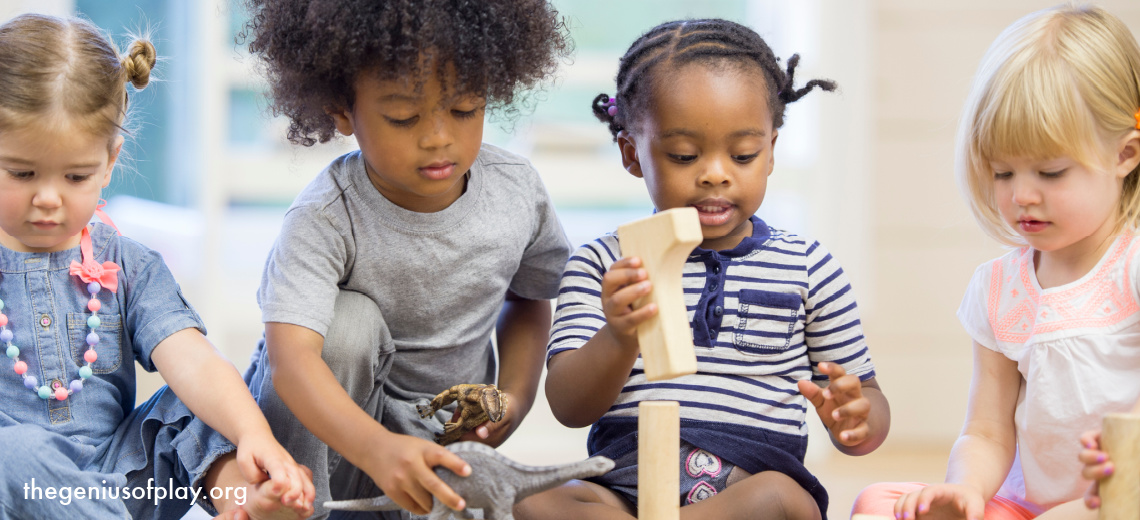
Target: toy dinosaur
(496, 483)
(477, 404)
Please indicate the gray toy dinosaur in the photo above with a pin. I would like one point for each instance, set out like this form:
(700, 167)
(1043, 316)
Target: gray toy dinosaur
(495, 483)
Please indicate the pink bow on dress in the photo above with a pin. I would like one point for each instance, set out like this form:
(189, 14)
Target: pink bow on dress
(106, 274)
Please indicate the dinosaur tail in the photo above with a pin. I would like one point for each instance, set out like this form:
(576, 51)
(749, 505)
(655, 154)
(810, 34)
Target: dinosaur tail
(381, 503)
(554, 476)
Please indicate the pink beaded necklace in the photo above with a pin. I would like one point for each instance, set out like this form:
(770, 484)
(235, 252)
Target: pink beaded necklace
(97, 276)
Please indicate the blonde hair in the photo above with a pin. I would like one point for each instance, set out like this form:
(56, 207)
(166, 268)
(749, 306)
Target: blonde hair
(1057, 82)
(54, 66)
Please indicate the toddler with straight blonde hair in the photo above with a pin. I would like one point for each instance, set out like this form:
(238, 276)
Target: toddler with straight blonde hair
(1048, 153)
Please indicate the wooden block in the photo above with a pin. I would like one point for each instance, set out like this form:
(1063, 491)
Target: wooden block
(659, 460)
(1120, 492)
(663, 242)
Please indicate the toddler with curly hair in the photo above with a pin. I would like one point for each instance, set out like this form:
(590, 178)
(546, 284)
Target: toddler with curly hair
(395, 265)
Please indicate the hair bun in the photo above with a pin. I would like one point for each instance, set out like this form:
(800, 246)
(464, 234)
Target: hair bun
(138, 62)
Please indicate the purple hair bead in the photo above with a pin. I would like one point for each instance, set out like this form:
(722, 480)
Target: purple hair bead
(612, 111)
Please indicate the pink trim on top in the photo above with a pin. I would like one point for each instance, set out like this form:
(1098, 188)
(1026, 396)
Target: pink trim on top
(1096, 301)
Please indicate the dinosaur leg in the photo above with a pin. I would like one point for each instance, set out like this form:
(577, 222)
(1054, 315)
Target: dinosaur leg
(449, 436)
(495, 513)
(444, 398)
(440, 511)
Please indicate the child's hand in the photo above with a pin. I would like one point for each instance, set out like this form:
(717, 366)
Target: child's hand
(403, 469)
(1097, 466)
(260, 458)
(490, 433)
(623, 284)
(943, 500)
(841, 406)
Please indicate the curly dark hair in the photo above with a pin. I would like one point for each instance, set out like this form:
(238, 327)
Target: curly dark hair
(313, 50)
(712, 41)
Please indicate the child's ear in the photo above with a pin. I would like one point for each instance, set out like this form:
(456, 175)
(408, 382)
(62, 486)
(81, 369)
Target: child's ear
(342, 119)
(1129, 155)
(772, 155)
(628, 149)
(116, 147)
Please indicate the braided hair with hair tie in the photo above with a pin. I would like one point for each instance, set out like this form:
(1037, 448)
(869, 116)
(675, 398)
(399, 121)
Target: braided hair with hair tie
(682, 42)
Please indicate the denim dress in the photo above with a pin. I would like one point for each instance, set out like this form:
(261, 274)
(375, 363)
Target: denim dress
(94, 455)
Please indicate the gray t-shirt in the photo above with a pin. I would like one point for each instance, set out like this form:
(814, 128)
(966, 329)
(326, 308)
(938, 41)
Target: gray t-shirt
(439, 278)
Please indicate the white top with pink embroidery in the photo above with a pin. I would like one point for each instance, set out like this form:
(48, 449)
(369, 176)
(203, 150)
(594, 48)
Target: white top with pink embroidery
(1077, 347)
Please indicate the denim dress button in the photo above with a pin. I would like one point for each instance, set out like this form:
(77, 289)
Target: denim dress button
(45, 321)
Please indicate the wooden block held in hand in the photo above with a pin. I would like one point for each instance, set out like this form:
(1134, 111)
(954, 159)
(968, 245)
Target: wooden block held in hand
(663, 243)
(1120, 492)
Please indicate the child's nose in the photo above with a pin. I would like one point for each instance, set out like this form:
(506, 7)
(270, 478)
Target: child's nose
(47, 196)
(716, 172)
(1025, 191)
(439, 133)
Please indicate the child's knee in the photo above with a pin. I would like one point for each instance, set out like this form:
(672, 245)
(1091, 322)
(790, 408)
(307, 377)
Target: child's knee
(778, 494)
(357, 335)
(566, 501)
(880, 498)
(41, 454)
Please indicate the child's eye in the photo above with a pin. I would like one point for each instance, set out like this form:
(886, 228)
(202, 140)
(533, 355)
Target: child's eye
(1002, 175)
(745, 158)
(411, 121)
(21, 174)
(79, 177)
(465, 114)
(683, 159)
(1052, 175)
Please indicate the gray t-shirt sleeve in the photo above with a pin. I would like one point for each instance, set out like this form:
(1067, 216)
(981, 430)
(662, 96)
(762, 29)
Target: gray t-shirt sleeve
(546, 253)
(304, 269)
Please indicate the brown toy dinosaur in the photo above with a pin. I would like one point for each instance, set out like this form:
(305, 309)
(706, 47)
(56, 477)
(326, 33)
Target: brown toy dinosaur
(477, 404)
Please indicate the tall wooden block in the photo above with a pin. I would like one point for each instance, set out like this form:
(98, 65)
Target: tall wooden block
(663, 242)
(658, 460)
(1120, 492)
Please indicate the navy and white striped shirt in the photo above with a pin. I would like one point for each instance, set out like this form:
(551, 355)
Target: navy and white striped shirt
(762, 314)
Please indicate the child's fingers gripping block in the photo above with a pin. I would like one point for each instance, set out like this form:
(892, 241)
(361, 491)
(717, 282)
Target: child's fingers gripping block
(663, 243)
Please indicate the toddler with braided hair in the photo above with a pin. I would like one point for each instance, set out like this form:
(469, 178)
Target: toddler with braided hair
(697, 110)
